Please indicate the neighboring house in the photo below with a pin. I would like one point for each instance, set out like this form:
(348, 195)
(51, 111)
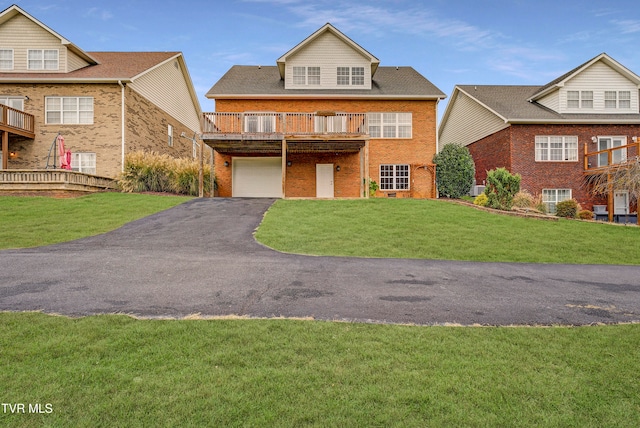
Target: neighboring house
(321, 123)
(104, 104)
(552, 135)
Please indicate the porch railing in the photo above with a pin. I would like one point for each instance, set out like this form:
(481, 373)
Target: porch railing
(15, 179)
(16, 119)
(271, 125)
(621, 155)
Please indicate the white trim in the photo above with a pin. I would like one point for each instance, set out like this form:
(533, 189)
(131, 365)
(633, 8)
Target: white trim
(13, 62)
(566, 151)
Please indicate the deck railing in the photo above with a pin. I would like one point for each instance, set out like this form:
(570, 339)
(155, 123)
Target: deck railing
(620, 155)
(14, 179)
(16, 119)
(272, 125)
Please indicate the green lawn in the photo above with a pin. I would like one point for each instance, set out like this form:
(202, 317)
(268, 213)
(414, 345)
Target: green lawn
(37, 221)
(409, 228)
(117, 371)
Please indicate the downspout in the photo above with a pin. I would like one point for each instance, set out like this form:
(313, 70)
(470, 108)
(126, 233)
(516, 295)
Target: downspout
(122, 124)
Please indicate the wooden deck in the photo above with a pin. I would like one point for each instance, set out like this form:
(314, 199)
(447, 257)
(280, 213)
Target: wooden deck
(53, 180)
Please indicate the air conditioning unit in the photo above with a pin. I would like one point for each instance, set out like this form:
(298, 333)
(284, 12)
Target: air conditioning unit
(476, 190)
(600, 209)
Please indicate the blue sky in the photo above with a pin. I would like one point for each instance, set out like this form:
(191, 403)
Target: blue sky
(450, 42)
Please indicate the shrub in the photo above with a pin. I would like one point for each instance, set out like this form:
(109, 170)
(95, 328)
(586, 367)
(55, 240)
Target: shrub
(454, 171)
(524, 199)
(567, 209)
(152, 172)
(373, 187)
(481, 200)
(501, 188)
(585, 215)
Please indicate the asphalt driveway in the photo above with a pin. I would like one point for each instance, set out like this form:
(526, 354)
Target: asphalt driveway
(201, 258)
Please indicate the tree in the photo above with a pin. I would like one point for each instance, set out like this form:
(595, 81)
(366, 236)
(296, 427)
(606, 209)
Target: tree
(617, 177)
(501, 188)
(455, 171)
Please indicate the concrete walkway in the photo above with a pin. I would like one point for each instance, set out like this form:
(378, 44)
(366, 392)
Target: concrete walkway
(201, 258)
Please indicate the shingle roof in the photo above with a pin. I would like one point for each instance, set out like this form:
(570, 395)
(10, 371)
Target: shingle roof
(112, 66)
(242, 81)
(511, 103)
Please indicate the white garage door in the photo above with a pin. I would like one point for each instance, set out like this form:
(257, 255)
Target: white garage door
(257, 177)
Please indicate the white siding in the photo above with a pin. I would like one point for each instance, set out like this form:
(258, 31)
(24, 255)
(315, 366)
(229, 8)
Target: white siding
(468, 122)
(22, 34)
(328, 52)
(598, 78)
(551, 101)
(167, 88)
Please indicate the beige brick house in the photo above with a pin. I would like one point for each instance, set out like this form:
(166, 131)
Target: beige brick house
(104, 104)
(322, 122)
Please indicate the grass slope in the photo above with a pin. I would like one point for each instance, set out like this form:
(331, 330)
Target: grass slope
(408, 228)
(117, 371)
(36, 221)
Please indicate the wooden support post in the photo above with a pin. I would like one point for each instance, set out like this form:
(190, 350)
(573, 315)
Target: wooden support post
(367, 180)
(5, 149)
(201, 171)
(610, 196)
(284, 167)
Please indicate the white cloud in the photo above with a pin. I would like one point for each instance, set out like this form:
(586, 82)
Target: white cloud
(101, 14)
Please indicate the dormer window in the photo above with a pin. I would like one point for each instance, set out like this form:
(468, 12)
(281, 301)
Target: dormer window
(43, 59)
(350, 76)
(306, 75)
(6, 59)
(580, 99)
(617, 99)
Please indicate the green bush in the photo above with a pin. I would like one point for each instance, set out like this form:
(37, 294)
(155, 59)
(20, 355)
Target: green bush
(501, 187)
(454, 171)
(373, 188)
(481, 200)
(152, 172)
(585, 215)
(567, 209)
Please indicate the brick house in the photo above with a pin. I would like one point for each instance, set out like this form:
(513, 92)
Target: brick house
(552, 135)
(104, 104)
(322, 122)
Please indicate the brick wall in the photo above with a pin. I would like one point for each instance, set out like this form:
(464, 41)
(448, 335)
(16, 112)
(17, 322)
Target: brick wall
(491, 152)
(146, 128)
(418, 152)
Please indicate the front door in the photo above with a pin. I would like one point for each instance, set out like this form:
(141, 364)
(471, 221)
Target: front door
(324, 180)
(621, 202)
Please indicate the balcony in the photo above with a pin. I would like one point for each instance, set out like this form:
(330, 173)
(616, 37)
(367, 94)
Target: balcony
(323, 126)
(601, 160)
(16, 122)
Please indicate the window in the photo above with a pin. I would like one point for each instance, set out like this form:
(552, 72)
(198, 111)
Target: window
(550, 197)
(170, 135)
(313, 75)
(624, 99)
(390, 125)
(306, 75)
(69, 110)
(556, 149)
(42, 59)
(6, 59)
(331, 124)
(617, 156)
(586, 99)
(617, 99)
(83, 162)
(299, 76)
(394, 177)
(254, 123)
(343, 76)
(350, 76)
(13, 102)
(580, 99)
(357, 76)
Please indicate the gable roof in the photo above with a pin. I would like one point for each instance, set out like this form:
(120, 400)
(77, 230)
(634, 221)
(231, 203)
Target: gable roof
(512, 104)
(112, 66)
(15, 10)
(560, 81)
(243, 81)
(327, 28)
